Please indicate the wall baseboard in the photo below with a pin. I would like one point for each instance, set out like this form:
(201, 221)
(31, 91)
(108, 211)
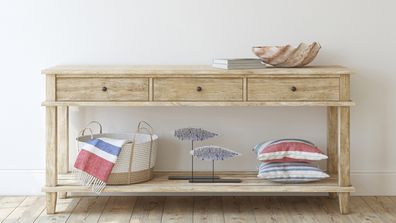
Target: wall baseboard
(29, 182)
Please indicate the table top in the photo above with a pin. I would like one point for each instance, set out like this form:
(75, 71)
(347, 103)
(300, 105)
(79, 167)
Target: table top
(189, 69)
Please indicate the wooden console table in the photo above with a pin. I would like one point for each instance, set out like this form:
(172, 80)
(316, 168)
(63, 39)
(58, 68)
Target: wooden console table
(197, 86)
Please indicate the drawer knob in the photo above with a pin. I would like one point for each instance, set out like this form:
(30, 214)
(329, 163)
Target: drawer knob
(293, 88)
(199, 88)
(104, 89)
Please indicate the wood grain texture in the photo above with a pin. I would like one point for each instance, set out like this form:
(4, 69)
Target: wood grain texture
(250, 184)
(63, 142)
(196, 103)
(238, 209)
(91, 89)
(326, 210)
(259, 209)
(362, 212)
(208, 210)
(267, 209)
(28, 211)
(345, 87)
(119, 208)
(64, 210)
(306, 89)
(383, 205)
(178, 210)
(332, 142)
(8, 205)
(185, 89)
(88, 210)
(50, 86)
(344, 158)
(244, 89)
(148, 210)
(191, 69)
(343, 202)
(51, 157)
(297, 209)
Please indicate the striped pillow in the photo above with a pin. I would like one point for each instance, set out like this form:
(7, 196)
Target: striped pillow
(290, 172)
(288, 150)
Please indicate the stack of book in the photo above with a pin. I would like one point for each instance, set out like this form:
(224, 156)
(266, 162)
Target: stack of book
(243, 63)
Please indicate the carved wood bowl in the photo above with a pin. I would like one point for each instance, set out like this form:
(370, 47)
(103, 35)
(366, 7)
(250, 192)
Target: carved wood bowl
(288, 56)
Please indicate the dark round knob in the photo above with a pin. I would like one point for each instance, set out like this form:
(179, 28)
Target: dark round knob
(199, 88)
(104, 89)
(293, 88)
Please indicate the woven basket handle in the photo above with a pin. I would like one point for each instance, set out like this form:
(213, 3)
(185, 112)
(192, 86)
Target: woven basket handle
(97, 123)
(82, 132)
(143, 125)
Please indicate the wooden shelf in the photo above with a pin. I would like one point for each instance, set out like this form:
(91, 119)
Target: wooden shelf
(161, 184)
(198, 103)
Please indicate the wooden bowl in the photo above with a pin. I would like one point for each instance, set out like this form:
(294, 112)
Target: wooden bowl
(288, 56)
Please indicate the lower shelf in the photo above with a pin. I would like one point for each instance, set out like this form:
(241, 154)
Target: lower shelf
(160, 184)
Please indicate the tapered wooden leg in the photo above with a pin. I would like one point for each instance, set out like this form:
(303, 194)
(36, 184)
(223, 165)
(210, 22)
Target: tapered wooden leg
(51, 157)
(332, 143)
(343, 201)
(51, 202)
(344, 158)
(63, 142)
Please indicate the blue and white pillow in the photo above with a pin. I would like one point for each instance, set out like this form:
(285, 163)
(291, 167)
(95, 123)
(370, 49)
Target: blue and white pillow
(290, 172)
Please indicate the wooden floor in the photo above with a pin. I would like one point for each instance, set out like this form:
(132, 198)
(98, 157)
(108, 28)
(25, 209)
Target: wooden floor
(198, 209)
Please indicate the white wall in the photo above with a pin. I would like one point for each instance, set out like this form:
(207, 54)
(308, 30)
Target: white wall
(357, 33)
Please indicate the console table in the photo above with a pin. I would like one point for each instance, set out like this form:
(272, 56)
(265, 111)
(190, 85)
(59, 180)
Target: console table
(198, 86)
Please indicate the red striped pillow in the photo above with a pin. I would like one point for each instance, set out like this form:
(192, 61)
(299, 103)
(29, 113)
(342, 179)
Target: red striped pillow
(289, 151)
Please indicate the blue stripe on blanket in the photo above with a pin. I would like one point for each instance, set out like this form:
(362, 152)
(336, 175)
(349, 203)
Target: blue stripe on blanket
(104, 146)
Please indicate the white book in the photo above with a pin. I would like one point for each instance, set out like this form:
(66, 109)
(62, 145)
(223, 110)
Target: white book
(237, 61)
(238, 66)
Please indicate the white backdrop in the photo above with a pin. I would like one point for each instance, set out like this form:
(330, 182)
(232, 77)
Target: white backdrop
(357, 33)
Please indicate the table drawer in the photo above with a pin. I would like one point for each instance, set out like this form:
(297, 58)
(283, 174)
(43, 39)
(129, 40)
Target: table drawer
(293, 89)
(101, 89)
(198, 89)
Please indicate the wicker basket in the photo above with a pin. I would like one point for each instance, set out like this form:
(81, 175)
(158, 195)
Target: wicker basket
(136, 161)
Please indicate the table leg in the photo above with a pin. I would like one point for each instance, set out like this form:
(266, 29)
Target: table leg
(344, 158)
(51, 147)
(63, 142)
(332, 143)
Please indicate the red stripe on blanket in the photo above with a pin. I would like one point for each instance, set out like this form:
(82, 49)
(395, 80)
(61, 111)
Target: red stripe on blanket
(93, 165)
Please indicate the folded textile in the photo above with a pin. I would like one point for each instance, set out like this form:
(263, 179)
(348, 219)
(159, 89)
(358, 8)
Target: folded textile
(96, 160)
(288, 150)
(290, 172)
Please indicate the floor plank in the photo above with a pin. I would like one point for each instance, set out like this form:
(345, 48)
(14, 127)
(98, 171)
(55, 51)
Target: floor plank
(267, 209)
(297, 209)
(8, 205)
(28, 211)
(208, 210)
(361, 212)
(88, 210)
(64, 208)
(238, 209)
(178, 209)
(198, 209)
(326, 210)
(383, 205)
(148, 210)
(119, 209)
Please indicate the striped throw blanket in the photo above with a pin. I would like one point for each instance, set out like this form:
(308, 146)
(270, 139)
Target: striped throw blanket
(96, 160)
